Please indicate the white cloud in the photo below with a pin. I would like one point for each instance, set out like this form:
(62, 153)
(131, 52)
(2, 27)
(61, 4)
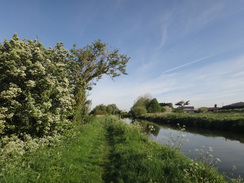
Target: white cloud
(187, 64)
(216, 83)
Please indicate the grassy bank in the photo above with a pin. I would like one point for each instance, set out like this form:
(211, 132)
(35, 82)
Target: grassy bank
(134, 158)
(77, 159)
(107, 150)
(218, 121)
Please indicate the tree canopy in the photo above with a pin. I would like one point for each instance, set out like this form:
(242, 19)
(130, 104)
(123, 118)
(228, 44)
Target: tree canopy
(182, 103)
(87, 65)
(35, 94)
(103, 109)
(153, 106)
(41, 88)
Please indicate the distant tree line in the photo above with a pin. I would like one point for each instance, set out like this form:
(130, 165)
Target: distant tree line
(102, 109)
(145, 104)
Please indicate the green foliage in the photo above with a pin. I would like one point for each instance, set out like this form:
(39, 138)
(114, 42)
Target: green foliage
(153, 106)
(140, 106)
(148, 127)
(178, 110)
(138, 111)
(202, 110)
(41, 91)
(167, 109)
(113, 109)
(106, 150)
(182, 103)
(100, 110)
(166, 104)
(134, 158)
(87, 65)
(142, 101)
(145, 104)
(76, 159)
(218, 121)
(103, 109)
(35, 93)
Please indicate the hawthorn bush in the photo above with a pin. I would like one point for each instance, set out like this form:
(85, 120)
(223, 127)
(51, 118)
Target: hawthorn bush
(35, 94)
(43, 90)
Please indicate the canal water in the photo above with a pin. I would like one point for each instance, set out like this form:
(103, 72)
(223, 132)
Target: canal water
(228, 147)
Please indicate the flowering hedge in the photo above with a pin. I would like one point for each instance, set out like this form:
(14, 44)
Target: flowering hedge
(35, 92)
(42, 89)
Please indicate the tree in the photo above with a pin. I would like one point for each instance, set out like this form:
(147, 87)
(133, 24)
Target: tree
(153, 106)
(89, 64)
(112, 109)
(138, 111)
(35, 92)
(182, 103)
(103, 109)
(202, 110)
(140, 106)
(142, 101)
(100, 110)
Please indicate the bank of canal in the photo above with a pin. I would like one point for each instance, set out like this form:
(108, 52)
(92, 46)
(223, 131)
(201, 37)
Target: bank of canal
(227, 146)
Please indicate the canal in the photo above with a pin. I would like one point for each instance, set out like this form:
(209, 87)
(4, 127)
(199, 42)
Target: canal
(214, 145)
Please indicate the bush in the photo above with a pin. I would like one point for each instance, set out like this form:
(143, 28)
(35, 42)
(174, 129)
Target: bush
(138, 111)
(178, 110)
(35, 93)
(153, 106)
(202, 110)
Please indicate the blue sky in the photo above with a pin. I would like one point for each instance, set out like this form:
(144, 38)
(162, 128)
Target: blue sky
(180, 49)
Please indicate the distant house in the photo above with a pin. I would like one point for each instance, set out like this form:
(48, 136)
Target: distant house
(215, 108)
(188, 109)
(238, 105)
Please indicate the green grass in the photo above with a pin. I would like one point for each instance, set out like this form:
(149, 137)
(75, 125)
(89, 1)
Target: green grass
(134, 158)
(79, 159)
(108, 150)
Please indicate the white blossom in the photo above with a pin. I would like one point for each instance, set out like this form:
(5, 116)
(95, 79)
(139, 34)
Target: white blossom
(31, 84)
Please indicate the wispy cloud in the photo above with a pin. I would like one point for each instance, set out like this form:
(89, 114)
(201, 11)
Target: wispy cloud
(187, 64)
(165, 23)
(218, 82)
(196, 16)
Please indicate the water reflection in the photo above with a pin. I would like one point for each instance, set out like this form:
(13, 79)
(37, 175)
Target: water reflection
(150, 128)
(229, 148)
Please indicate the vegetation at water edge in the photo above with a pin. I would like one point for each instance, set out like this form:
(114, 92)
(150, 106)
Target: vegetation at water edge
(107, 150)
(217, 121)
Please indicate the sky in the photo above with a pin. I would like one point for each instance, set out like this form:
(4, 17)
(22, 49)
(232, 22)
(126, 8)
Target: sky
(179, 49)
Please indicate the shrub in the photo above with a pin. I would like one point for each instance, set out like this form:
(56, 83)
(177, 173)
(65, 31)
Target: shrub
(35, 93)
(202, 109)
(153, 106)
(138, 111)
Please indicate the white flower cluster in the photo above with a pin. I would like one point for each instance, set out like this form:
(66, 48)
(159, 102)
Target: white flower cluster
(30, 83)
(13, 149)
(35, 94)
(11, 93)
